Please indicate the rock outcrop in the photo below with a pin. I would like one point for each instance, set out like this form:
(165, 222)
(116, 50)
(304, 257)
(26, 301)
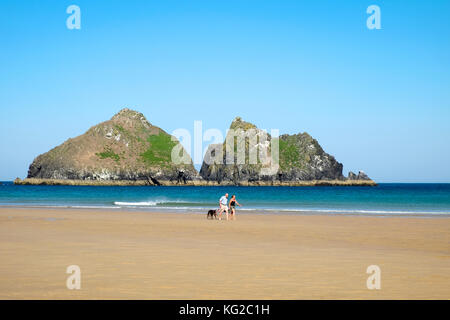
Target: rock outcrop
(127, 147)
(361, 176)
(301, 158)
(128, 150)
(227, 167)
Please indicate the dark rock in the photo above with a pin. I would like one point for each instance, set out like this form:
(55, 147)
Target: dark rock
(352, 176)
(363, 176)
(301, 158)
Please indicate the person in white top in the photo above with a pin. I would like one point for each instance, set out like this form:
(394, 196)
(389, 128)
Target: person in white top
(223, 202)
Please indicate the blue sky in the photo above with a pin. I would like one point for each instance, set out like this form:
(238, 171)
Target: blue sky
(378, 100)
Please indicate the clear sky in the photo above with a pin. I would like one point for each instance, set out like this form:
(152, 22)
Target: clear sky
(378, 100)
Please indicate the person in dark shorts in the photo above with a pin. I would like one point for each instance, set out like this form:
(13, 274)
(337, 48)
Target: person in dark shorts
(232, 205)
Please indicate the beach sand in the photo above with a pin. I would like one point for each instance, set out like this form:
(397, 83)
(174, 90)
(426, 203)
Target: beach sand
(143, 255)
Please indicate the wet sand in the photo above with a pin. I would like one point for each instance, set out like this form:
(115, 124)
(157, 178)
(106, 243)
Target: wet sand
(142, 255)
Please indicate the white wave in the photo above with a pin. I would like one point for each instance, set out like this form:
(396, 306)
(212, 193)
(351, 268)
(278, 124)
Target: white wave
(160, 203)
(282, 210)
(136, 204)
(150, 203)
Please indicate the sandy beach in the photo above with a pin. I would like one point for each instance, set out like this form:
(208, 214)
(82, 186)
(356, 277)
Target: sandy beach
(142, 255)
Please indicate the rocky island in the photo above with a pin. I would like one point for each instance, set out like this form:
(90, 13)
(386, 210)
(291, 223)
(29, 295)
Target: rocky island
(300, 160)
(129, 150)
(124, 150)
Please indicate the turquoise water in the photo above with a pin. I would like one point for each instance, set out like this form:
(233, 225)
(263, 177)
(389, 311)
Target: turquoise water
(385, 199)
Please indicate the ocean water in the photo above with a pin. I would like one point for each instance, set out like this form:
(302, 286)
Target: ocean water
(384, 199)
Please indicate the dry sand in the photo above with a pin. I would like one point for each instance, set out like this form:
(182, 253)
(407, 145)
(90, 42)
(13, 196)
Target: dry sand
(142, 255)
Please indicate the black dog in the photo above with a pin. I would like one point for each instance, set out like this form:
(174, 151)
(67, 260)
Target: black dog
(212, 214)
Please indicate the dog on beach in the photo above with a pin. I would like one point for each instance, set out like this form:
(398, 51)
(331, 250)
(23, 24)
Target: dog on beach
(212, 214)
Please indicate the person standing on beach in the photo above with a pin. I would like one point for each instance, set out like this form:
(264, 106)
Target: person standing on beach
(233, 203)
(223, 201)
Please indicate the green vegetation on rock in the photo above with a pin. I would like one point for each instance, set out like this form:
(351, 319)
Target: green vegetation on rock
(238, 123)
(289, 155)
(160, 149)
(108, 153)
(120, 129)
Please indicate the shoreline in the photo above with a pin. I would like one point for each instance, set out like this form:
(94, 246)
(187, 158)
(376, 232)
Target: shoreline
(240, 211)
(131, 255)
(192, 183)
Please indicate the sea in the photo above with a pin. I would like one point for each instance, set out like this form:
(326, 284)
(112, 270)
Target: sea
(386, 199)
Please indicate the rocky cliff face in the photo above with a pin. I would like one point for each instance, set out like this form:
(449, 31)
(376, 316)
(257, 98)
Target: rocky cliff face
(229, 166)
(127, 147)
(301, 158)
